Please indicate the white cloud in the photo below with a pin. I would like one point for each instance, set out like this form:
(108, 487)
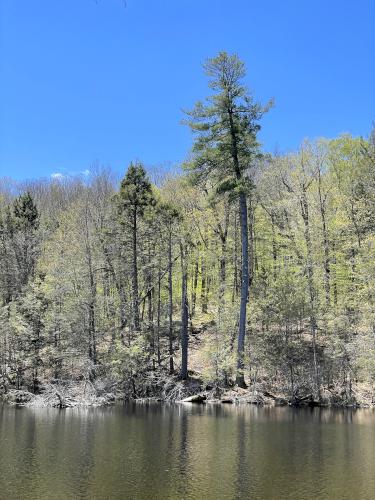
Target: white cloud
(69, 175)
(57, 175)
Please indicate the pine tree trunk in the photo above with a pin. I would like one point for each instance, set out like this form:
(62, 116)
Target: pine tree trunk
(240, 379)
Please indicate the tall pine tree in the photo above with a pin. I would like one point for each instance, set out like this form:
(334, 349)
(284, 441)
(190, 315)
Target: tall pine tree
(224, 149)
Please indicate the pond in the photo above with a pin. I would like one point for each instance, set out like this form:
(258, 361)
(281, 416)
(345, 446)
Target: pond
(185, 451)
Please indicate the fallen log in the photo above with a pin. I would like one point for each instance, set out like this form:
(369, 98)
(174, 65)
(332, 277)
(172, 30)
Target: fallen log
(304, 401)
(269, 395)
(227, 400)
(278, 401)
(197, 398)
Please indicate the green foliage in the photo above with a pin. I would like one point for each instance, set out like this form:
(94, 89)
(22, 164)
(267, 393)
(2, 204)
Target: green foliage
(136, 190)
(128, 361)
(229, 113)
(67, 263)
(25, 212)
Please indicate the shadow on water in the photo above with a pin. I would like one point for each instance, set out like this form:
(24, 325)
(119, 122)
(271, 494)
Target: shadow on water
(186, 451)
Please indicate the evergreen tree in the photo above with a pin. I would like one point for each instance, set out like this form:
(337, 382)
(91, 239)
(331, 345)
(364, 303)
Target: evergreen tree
(134, 197)
(225, 149)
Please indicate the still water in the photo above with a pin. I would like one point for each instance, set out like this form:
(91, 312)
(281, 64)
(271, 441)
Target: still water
(186, 452)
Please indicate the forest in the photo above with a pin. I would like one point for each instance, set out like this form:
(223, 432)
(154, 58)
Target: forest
(241, 272)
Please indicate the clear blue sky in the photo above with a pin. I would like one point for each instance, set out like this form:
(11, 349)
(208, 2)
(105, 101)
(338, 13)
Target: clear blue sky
(86, 81)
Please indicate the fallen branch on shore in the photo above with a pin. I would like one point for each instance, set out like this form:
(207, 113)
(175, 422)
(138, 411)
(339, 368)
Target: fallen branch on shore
(59, 396)
(197, 398)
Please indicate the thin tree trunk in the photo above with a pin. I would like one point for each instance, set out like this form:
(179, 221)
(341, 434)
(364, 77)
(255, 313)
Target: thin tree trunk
(170, 303)
(334, 276)
(223, 272)
(158, 318)
(327, 267)
(274, 248)
(203, 285)
(184, 315)
(310, 277)
(120, 290)
(195, 285)
(135, 275)
(223, 257)
(208, 288)
(92, 298)
(150, 306)
(251, 241)
(122, 296)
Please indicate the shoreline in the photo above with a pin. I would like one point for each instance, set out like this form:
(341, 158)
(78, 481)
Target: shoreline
(73, 397)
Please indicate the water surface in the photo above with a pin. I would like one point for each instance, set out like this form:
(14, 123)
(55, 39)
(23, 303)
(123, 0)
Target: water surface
(186, 452)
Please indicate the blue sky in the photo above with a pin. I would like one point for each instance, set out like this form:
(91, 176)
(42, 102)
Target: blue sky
(85, 81)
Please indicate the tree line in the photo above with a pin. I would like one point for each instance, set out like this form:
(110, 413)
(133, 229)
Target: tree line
(245, 267)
